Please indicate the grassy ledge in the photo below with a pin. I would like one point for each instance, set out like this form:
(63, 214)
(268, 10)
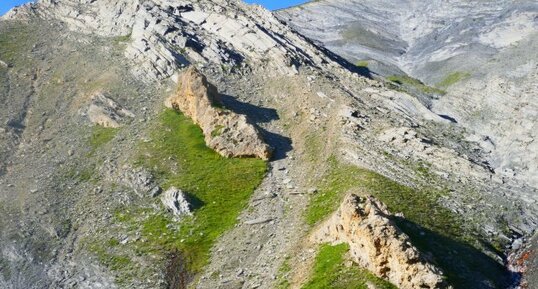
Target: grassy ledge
(362, 64)
(219, 187)
(330, 271)
(434, 229)
(452, 79)
(414, 83)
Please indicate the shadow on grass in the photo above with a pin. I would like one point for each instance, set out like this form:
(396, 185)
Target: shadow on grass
(177, 275)
(195, 202)
(464, 266)
(257, 115)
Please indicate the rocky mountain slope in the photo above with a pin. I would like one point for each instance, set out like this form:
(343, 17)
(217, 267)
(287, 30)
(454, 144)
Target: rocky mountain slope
(93, 163)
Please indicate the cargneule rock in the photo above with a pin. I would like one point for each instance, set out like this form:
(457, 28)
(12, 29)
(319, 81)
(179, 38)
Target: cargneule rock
(377, 244)
(228, 133)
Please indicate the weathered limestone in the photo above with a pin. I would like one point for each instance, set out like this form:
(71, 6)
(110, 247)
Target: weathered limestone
(228, 133)
(104, 111)
(378, 245)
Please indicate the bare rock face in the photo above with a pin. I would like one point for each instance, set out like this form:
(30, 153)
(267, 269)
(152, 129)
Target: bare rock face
(106, 112)
(228, 133)
(165, 35)
(377, 244)
(176, 201)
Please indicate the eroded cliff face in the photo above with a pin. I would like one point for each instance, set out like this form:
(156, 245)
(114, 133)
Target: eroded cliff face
(376, 243)
(228, 133)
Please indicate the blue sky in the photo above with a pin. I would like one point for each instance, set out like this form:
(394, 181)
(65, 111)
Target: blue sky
(277, 4)
(5, 5)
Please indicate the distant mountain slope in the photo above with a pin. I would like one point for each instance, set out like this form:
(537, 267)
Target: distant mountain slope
(483, 53)
(414, 35)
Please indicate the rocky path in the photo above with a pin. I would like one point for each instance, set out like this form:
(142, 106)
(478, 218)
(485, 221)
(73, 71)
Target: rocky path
(250, 255)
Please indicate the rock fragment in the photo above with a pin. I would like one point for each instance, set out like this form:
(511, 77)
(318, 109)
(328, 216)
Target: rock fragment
(259, 221)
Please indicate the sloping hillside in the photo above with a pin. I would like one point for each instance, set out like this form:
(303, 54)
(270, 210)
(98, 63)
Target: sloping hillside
(95, 170)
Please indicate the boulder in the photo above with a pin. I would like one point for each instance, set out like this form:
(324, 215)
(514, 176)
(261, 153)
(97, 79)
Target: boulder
(176, 201)
(377, 244)
(228, 133)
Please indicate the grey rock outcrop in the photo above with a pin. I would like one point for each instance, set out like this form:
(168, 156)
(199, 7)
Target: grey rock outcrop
(176, 201)
(106, 112)
(376, 243)
(228, 133)
(411, 36)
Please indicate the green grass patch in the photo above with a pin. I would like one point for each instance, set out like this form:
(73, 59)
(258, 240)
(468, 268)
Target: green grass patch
(432, 228)
(362, 63)
(414, 84)
(452, 79)
(101, 136)
(114, 260)
(122, 39)
(420, 206)
(220, 188)
(330, 272)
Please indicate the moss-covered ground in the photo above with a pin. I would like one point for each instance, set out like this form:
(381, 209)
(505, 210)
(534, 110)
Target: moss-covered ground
(362, 63)
(101, 136)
